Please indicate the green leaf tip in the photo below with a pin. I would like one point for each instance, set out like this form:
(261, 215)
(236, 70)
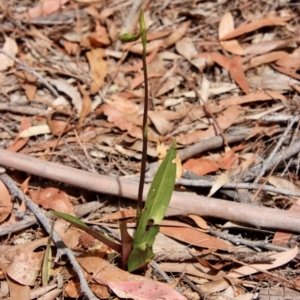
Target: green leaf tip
(127, 37)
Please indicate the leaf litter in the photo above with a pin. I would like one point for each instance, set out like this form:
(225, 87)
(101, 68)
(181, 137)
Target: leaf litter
(70, 94)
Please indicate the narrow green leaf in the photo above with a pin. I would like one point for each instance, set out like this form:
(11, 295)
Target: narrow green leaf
(47, 259)
(157, 202)
(97, 235)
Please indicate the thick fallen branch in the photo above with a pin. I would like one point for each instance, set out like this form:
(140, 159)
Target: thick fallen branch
(182, 203)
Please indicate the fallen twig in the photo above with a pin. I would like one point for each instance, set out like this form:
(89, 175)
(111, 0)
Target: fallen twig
(182, 203)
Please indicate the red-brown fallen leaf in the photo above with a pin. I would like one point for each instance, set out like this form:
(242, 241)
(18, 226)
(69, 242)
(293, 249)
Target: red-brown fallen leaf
(266, 58)
(233, 47)
(258, 96)
(139, 65)
(177, 34)
(224, 120)
(25, 266)
(58, 127)
(195, 237)
(124, 284)
(42, 9)
(267, 46)
(289, 62)
(287, 71)
(271, 21)
(237, 73)
(6, 202)
(204, 165)
(19, 143)
(139, 79)
(121, 214)
(52, 198)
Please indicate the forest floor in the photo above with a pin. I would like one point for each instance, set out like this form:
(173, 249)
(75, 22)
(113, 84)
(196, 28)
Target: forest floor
(224, 82)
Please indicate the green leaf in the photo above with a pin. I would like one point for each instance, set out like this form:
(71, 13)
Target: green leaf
(97, 235)
(47, 260)
(127, 37)
(157, 202)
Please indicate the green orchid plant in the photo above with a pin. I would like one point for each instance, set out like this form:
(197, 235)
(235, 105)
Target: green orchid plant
(140, 251)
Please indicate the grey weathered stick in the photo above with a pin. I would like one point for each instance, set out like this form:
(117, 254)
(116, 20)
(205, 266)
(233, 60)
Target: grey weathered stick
(182, 203)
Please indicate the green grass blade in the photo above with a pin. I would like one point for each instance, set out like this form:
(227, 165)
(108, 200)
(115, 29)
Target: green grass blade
(97, 235)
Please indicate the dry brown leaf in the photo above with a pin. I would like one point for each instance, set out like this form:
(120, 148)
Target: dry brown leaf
(162, 125)
(6, 202)
(280, 259)
(138, 48)
(98, 66)
(121, 214)
(86, 105)
(18, 142)
(195, 269)
(283, 238)
(124, 284)
(139, 79)
(266, 58)
(224, 120)
(221, 180)
(233, 47)
(264, 47)
(258, 96)
(18, 291)
(10, 47)
(226, 25)
(237, 73)
(25, 266)
(52, 198)
(271, 21)
(65, 87)
(199, 221)
(177, 34)
(99, 37)
(42, 9)
(139, 65)
(195, 237)
(283, 183)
